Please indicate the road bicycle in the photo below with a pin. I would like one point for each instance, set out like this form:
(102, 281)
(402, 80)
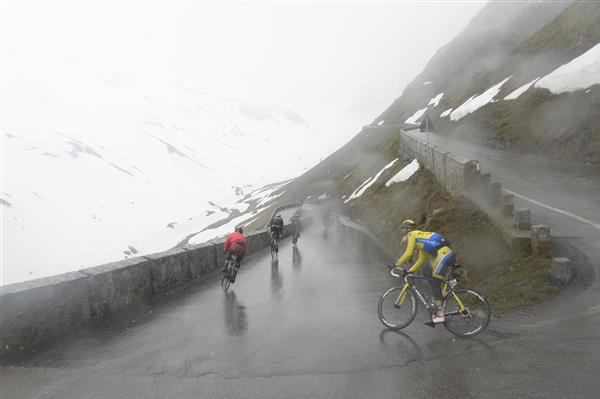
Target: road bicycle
(467, 311)
(232, 265)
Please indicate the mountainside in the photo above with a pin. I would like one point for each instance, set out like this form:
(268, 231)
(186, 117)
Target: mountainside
(524, 76)
(133, 170)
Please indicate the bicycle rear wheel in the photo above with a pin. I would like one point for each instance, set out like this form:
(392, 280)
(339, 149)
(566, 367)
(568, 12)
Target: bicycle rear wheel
(467, 312)
(397, 307)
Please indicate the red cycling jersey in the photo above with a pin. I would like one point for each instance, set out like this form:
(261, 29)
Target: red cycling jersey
(237, 242)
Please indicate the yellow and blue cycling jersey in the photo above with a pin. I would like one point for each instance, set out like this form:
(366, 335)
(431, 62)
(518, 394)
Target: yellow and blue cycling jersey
(428, 244)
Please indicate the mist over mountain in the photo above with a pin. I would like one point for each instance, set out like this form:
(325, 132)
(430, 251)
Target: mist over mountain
(105, 168)
(523, 76)
(132, 128)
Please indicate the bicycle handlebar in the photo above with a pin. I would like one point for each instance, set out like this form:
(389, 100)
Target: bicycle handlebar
(398, 273)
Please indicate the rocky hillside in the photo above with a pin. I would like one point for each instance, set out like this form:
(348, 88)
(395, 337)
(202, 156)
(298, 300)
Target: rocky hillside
(524, 76)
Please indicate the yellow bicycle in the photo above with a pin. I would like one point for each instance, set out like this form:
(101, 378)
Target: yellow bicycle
(467, 311)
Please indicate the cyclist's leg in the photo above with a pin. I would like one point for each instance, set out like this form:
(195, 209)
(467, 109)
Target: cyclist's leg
(444, 258)
(240, 256)
(227, 259)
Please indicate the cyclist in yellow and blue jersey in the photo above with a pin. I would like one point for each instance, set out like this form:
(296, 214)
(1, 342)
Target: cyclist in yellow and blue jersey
(429, 244)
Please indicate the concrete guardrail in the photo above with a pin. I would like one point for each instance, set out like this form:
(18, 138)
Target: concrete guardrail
(34, 311)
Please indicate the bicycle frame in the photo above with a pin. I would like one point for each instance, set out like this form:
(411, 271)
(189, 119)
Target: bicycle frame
(411, 284)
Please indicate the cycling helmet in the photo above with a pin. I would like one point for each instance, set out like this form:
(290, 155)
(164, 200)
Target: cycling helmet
(239, 230)
(408, 225)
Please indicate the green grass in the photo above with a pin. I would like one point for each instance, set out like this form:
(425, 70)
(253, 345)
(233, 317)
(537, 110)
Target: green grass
(510, 279)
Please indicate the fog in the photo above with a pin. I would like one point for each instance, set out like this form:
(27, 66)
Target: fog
(128, 126)
(337, 64)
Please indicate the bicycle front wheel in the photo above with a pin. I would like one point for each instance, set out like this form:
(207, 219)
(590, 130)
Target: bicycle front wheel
(397, 307)
(467, 312)
(225, 283)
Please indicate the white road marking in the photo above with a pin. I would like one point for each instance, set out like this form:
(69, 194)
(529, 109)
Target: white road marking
(576, 217)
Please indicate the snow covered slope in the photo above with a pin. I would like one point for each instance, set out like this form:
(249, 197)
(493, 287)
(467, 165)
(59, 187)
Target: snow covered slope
(97, 167)
(522, 75)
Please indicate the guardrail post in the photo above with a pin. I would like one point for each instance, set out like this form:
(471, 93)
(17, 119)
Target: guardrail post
(561, 271)
(471, 174)
(507, 206)
(495, 193)
(540, 239)
(522, 218)
(484, 184)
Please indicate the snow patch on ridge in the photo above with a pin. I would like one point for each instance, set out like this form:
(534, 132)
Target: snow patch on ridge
(404, 174)
(580, 73)
(369, 182)
(477, 101)
(446, 113)
(413, 119)
(516, 93)
(435, 100)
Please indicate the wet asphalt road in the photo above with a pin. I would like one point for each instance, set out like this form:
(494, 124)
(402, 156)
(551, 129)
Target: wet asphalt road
(305, 328)
(309, 328)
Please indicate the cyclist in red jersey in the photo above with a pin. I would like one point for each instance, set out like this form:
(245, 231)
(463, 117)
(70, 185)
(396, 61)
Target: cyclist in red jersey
(236, 244)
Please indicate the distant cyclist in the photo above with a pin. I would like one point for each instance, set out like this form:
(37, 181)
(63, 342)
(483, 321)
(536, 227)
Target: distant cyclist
(276, 227)
(432, 245)
(296, 228)
(236, 244)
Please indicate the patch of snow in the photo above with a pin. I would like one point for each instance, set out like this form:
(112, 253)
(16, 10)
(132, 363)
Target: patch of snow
(250, 221)
(380, 123)
(476, 102)
(413, 119)
(516, 93)
(141, 166)
(445, 113)
(427, 83)
(348, 175)
(217, 232)
(435, 101)
(580, 73)
(369, 182)
(358, 188)
(323, 196)
(404, 174)
(268, 199)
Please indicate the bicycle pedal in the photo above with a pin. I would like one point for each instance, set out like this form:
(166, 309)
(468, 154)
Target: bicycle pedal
(430, 324)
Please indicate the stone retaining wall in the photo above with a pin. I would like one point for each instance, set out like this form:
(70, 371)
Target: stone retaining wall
(456, 173)
(34, 311)
(462, 176)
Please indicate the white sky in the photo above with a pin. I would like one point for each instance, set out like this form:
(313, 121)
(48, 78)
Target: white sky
(339, 64)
